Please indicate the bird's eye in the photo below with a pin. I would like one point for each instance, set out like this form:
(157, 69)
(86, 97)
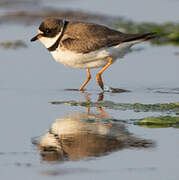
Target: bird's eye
(48, 31)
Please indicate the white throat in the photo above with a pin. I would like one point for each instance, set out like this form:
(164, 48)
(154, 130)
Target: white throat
(48, 42)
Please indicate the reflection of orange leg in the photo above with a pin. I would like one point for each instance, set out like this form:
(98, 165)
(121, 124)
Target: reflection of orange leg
(99, 108)
(88, 109)
(100, 96)
(86, 96)
(102, 112)
(98, 76)
(87, 80)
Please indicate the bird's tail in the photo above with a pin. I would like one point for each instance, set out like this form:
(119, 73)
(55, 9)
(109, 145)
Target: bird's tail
(140, 37)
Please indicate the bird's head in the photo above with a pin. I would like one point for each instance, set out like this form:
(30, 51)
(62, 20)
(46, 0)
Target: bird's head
(49, 31)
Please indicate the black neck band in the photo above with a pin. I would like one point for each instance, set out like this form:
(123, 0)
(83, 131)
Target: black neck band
(55, 45)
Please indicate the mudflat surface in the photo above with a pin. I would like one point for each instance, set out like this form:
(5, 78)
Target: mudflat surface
(86, 142)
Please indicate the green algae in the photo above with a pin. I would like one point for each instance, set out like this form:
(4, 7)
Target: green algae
(152, 122)
(137, 107)
(166, 33)
(156, 122)
(13, 44)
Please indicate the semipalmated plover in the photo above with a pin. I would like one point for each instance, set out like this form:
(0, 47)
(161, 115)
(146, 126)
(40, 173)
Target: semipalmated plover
(86, 45)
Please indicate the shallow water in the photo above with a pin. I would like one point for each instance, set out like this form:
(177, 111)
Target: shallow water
(30, 80)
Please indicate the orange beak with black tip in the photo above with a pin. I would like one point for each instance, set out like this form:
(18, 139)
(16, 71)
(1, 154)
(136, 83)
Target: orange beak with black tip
(36, 37)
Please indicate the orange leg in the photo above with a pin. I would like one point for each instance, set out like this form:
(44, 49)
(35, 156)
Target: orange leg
(98, 76)
(87, 80)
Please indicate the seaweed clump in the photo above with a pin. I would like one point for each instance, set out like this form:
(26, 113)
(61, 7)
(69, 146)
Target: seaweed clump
(13, 44)
(161, 121)
(137, 107)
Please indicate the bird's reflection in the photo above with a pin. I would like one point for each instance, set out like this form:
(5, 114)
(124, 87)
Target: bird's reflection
(84, 134)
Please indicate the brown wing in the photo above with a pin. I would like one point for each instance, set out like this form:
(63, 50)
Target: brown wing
(86, 37)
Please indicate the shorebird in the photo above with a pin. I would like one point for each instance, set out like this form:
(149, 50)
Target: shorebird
(86, 45)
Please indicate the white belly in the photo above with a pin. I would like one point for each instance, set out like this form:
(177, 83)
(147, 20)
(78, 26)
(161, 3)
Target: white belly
(93, 59)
